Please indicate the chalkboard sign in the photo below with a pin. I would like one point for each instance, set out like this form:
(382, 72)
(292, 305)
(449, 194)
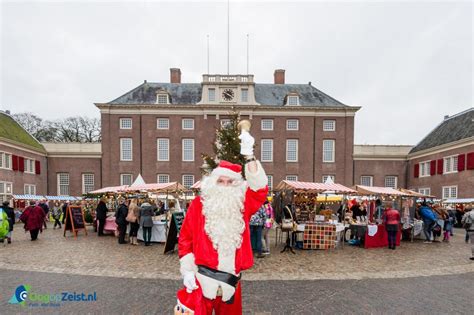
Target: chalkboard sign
(74, 220)
(177, 219)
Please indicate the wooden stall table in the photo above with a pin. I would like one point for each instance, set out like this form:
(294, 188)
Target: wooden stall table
(380, 239)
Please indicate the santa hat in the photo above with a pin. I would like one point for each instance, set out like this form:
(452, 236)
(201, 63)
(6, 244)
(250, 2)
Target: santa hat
(228, 169)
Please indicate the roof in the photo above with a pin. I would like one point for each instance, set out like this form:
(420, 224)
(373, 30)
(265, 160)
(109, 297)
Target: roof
(73, 148)
(13, 131)
(313, 187)
(386, 151)
(190, 94)
(454, 128)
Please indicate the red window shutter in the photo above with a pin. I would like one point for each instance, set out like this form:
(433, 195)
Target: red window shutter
(470, 161)
(15, 162)
(37, 167)
(440, 166)
(461, 162)
(417, 170)
(21, 164)
(433, 167)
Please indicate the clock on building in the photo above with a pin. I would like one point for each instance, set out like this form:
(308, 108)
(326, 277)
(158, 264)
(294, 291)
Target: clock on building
(228, 95)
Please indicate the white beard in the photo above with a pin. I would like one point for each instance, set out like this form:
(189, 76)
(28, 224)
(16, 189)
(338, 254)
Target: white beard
(223, 211)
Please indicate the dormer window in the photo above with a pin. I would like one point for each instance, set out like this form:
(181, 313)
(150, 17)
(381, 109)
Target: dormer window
(292, 99)
(162, 97)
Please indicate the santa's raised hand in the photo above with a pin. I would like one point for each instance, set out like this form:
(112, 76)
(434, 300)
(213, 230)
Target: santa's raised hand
(246, 143)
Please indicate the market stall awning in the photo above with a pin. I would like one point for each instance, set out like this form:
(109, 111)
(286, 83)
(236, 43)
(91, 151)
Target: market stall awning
(62, 198)
(112, 189)
(459, 200)
(196, 185)
(314, 187)
(414, 193)
(373, 190)
(28, 197)
(156, 187)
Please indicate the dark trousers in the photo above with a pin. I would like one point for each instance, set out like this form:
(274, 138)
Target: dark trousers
(147, 235)
(134, 229)
(256, 237)
(100, 226)
(44, 222)
(56, 222)
(392, 237)
(34, 234)
(122, 230)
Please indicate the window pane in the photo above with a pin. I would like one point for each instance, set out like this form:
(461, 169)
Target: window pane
(245, 95)
(125, 123)
(162, 99)
(63, 184)
(163, 178)
(225, 122)
(292, 124)
(328, 150)
(126, 179)
(212, 95)
(325, 178)
(267, 150)
(87, 183)
(366, 180)
(188, 149)
(188, 124)
(267, 124)
(292, 150)
(329, 125)
(163, 149)
(188, 180)
(270, 182)
(292, 178)
(391, 181)
(125, 149)
(163, 123)
(292, 100)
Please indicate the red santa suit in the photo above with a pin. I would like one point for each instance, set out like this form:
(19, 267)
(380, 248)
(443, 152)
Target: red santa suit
(196, 248)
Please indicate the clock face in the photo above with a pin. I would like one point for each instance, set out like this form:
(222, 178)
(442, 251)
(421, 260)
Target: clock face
(228, 95)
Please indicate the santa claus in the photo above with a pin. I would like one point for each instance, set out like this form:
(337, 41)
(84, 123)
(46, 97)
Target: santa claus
(214, 241)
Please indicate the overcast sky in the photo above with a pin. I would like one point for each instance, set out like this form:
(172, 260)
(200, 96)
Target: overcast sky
(406, 63)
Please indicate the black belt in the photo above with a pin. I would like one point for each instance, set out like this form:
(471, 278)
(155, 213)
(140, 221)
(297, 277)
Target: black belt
(225, 277)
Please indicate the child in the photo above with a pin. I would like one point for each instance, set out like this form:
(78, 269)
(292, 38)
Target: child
(57, 215)
(448, 226)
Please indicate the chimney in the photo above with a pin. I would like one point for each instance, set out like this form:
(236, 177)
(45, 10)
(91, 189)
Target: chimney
(446, 117)
(175, 75)
(279, 76)
(8, 112)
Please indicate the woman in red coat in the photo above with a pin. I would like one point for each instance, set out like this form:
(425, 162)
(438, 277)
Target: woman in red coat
(392, 222)
(33, 217)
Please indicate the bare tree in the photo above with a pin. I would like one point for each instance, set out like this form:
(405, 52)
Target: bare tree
(30, 122)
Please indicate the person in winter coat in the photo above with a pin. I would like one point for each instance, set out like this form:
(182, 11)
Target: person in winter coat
(101, 216)
(64, 209)
(256, 225)
(392, 222)
(57, 215)
(429, 221)
(44, 205)
(449, 220)
(270, 218)
(133, 214)
(146, 222)
(33, 217)
(121, 220)
(468, 224)
(11, 219)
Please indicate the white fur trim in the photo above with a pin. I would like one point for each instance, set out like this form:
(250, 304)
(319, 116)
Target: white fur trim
(222, 171)
(226, 262)
(257, 180)
(187, 264)
(209, 287)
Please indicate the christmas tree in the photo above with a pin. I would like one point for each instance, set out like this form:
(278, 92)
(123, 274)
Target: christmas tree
(227, 144)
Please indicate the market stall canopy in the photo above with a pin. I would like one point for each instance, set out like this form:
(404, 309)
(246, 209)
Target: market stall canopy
(28, 197)
(112, 189)
(62, 198)
(156, 187)
(373, 190)
(313, 187)
(196, 185)
(414, 193)
(459, 200)
(139, 181)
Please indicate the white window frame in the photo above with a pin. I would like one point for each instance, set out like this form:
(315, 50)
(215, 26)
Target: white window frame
(189, 178)
(452, 192)
(224, 122)
(190, 150)
(211, 95)
(333, 151)
(5, 160)
(425, 169)
(29, 189)
(371, 180)
(292, 121)
(122, 158)
(325, 177)
(244, 95)
(160, 177)
(62, 183)
(123, 175)
(124, 123)
(161, 121)
(184, 121)
(293, 178)
(329, 125)
(269, 151)
(29, 166)
(163, 153)
(162, 98)
(295, 152)
(6, 190)
(450, 164)
(290, 99)
(425, 191)
(266, 124)
(395, 181)
(87, 187)
(270, 182)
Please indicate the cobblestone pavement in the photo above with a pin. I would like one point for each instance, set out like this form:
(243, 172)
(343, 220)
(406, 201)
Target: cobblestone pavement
(421, 295)
(91, 255)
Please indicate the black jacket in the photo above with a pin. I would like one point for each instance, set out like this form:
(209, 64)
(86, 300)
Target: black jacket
(101, 211)
(11, 216)
(121, 215)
